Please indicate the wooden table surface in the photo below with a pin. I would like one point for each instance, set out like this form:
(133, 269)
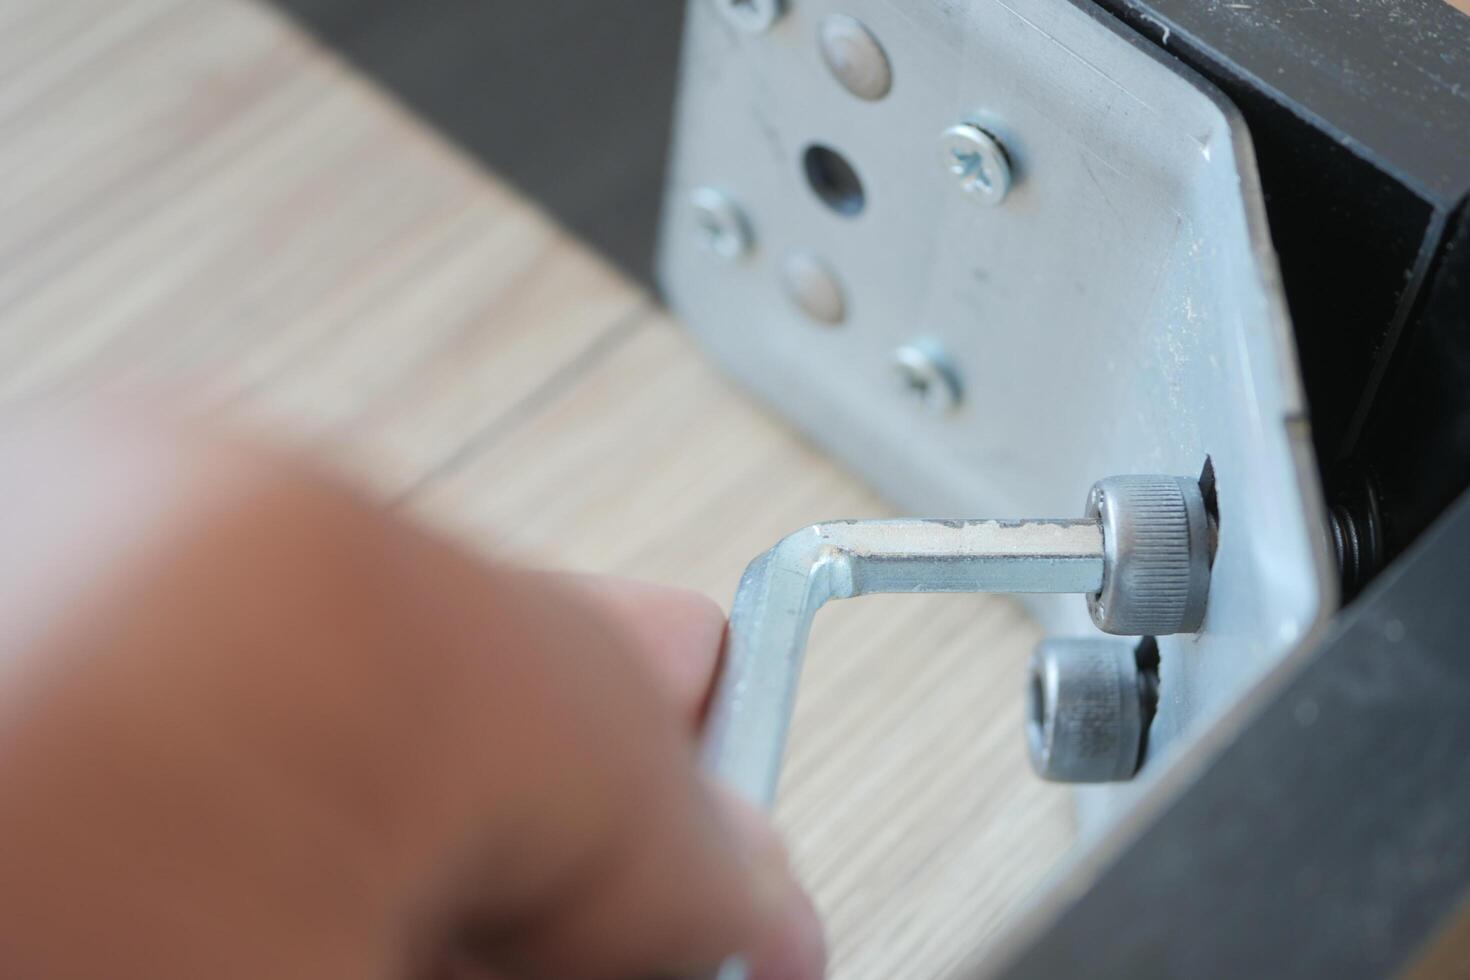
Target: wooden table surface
(198, 199)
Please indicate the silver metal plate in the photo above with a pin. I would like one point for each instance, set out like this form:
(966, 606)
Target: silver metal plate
(1118, 312)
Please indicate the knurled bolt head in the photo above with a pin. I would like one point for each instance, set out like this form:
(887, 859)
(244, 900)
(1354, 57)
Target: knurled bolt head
(1156, 555)
(1084, 710)
(752, 16)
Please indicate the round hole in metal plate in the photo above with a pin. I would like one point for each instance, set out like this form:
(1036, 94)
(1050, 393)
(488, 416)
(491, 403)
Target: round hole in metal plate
(834, 180)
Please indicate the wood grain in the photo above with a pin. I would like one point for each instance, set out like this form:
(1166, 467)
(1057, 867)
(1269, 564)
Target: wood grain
(198, 199)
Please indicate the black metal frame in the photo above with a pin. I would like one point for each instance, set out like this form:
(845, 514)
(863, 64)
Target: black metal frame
(570, 100)
(1321, 831)
(1360, 115)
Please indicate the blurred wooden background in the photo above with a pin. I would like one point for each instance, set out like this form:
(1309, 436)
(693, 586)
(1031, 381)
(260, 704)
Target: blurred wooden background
(197, 199)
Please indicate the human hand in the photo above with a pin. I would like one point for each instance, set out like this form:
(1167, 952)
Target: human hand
(252, 725)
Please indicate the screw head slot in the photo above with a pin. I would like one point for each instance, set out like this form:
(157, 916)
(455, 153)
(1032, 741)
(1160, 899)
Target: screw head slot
(752, 16)
(721, 224)
(928, 376)
(978, 162)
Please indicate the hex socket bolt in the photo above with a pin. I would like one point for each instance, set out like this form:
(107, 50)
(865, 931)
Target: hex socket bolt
(1141, 557)
(1141, 533)
(1157, 551)
(1086, 709)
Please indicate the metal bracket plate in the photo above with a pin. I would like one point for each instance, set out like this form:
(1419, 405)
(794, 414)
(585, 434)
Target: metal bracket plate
(1118, 312)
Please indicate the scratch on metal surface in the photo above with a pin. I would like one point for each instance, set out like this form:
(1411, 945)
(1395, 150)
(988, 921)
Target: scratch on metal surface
(1090, 66)
(1107, 198)
(1081, 60)
(1089, 151)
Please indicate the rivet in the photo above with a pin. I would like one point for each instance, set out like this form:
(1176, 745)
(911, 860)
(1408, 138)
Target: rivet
(814, 288)
(855, 57)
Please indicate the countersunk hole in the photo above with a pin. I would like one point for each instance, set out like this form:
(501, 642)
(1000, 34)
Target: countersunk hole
(834, 180)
